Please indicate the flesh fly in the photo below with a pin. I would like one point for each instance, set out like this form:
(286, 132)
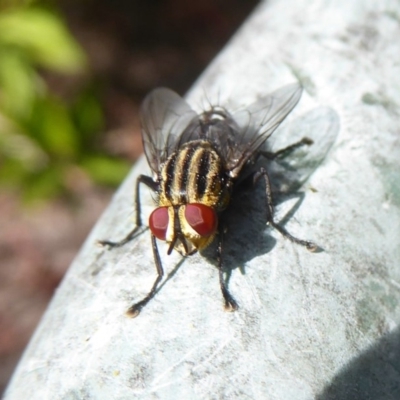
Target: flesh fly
(197, 161)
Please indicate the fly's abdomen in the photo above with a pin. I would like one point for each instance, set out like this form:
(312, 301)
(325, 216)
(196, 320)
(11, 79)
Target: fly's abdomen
(193, 174)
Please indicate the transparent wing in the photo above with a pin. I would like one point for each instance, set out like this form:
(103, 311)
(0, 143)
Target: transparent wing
(164, 116)
(321, 125)
(252, 126)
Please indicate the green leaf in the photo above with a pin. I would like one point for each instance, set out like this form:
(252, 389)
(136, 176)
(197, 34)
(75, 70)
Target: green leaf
(87, 114)
(44, 38)
(45, 185)
(16, 145)
(53, 128)
(18, 84)
(105, 170)
(12, 173)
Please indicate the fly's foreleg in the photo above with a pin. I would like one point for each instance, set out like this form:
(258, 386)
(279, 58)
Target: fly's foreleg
(262, 173)
(148, 181)
(134, 310)
(230, 302)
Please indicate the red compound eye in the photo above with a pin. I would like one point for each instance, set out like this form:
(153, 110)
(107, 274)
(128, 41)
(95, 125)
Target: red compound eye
(158, 222)
(201, 218)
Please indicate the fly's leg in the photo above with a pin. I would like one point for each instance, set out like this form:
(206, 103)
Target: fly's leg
(148, 181)
(270, 213)
(134, 310)
(230, 303)
(120, 243)
(287, 150)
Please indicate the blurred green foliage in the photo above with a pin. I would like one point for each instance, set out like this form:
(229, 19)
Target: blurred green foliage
(42, 136)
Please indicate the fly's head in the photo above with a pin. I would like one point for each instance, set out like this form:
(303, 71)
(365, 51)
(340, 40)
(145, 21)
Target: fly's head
(186, 228)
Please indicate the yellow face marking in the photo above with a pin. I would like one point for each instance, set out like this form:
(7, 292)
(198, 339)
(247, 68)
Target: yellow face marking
(194, 241)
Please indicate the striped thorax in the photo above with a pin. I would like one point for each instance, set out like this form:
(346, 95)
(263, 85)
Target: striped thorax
(194, 187)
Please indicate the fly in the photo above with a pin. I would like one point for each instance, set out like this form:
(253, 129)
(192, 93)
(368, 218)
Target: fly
(197, 161)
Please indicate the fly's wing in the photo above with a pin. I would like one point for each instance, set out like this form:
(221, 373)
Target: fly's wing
(164, 115)
(321, 125)
(256, 123)
(215, 126)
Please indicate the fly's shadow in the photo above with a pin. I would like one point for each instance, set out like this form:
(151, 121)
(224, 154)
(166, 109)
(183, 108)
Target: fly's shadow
(247, 235)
